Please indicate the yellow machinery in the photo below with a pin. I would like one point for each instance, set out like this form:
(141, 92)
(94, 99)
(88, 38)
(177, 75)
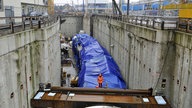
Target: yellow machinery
(185, 13)
(184, 9)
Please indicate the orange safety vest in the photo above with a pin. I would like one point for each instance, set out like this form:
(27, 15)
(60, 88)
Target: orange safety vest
(100, 79)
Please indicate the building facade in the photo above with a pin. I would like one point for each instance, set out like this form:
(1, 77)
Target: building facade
(10, 8)
(39, 6)
(98, 6)
(18, 8)
(149, 7)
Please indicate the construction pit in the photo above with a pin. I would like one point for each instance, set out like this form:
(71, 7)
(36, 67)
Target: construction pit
(69, 95)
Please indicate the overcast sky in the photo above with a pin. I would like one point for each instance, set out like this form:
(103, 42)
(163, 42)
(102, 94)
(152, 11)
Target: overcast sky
(80, 1)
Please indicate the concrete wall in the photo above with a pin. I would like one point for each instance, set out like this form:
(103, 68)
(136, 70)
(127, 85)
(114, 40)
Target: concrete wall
(149, 58)
(182, 77)
(72, 25)
(26, 59)
(87, 24)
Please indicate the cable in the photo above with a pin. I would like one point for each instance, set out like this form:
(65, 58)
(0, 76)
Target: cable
(155, 87)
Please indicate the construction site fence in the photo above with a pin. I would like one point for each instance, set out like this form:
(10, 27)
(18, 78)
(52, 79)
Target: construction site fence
(185, 25)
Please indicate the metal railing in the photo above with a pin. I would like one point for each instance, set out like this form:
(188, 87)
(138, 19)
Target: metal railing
(71, 15)
(185, 25)
(16, 24)
(155, 22)
(147, 21)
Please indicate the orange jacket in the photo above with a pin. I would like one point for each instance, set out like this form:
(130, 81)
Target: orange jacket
(100, 79)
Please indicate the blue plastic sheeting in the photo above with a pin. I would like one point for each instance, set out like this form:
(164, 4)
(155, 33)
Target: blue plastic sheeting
(138, 7)
(124, 8)
(155, 6)
(165, 3)
(92, 60)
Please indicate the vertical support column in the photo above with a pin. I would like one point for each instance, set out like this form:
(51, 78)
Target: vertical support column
(12, 26)
(153, 23)
(127, 7)
(162, 25)
(39, 24)
(120, 5)
(23, 23)
(31, 23)
(91, 25)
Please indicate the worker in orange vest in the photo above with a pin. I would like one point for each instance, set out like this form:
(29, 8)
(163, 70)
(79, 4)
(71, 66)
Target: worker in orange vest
(100, 80)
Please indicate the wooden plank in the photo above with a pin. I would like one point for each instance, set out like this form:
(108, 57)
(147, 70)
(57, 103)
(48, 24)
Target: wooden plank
(152, 100)
(62, 100)
(105, 99)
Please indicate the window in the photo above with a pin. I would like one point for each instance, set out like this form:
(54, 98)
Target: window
(1, 5)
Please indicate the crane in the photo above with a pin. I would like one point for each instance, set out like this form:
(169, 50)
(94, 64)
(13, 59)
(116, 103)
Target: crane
(116, 8)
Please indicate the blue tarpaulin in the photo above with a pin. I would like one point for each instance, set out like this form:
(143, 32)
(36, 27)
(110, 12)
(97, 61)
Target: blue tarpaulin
(124, 8)
(92, 60)
(155, 6)
(138, 7)
(165, 3)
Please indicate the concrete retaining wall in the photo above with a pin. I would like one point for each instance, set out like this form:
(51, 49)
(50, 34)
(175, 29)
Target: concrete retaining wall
(149, 58)
(87, 24)
(182, 78)
(72, 25)
(26, 59)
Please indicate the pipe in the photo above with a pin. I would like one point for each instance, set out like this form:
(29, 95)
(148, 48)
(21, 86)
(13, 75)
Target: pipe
(83, 6)
(103, 91)
(127, 7)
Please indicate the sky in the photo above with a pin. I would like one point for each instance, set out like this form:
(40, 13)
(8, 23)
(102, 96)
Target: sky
(80, 1)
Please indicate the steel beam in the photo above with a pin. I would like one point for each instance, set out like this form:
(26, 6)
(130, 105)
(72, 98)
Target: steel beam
(116, 8)
(135, 92)
(127, 7)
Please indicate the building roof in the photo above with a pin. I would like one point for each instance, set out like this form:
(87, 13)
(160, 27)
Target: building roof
(33, 4)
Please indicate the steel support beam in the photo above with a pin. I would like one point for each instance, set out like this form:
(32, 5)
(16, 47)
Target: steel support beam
(127, 7)
(103, 91)
(116, 8)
